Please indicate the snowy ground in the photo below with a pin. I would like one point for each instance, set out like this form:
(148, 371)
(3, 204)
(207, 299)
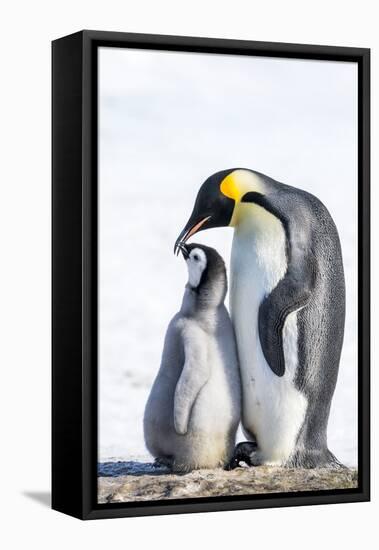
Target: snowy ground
(168, 121)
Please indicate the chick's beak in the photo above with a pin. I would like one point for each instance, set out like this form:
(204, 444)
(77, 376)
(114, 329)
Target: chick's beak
(189, 230)
(184, 250)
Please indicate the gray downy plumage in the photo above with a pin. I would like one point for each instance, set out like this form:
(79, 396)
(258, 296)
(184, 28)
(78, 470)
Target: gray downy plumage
(193, 410)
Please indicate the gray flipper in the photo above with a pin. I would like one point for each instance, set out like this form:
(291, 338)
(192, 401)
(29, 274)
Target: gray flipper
(194, 376)
(293, 291)
(289, 295)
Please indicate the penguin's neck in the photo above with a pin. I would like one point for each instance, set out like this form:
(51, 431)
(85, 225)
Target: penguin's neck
(259, 247)
(205, 314)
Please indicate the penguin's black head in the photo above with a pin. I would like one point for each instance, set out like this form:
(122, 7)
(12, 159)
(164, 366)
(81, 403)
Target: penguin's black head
(206, 272)
(213, 207)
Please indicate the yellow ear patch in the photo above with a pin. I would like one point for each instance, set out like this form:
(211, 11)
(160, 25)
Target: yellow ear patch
(239, 182)
(229, 187)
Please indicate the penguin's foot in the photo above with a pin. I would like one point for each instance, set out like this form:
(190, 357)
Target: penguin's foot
(166, 461)
(314, 458)
(243, 452)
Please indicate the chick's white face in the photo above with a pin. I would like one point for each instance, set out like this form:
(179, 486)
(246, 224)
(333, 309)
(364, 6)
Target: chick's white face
(196, 263)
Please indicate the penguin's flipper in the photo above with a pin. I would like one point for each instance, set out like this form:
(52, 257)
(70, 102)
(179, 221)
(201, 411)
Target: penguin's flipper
(293, 292)
(194, 376)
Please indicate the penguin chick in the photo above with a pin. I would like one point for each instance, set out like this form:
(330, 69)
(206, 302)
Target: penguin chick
(193, 411)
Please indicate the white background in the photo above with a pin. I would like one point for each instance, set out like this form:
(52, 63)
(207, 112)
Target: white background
(27, 28)
(167, 121)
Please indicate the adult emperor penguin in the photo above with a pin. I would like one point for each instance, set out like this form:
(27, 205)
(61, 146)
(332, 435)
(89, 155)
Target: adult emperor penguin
(194, 408)
(287, 301)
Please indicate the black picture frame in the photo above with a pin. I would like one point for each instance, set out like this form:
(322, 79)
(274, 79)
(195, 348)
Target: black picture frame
(74, 272)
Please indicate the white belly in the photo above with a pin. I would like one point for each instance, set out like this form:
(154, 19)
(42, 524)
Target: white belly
(273, 409)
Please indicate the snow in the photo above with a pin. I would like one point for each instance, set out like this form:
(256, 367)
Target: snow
(168, 121)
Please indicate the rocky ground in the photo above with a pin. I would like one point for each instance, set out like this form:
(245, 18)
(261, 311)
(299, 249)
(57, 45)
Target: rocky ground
(136, 481)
